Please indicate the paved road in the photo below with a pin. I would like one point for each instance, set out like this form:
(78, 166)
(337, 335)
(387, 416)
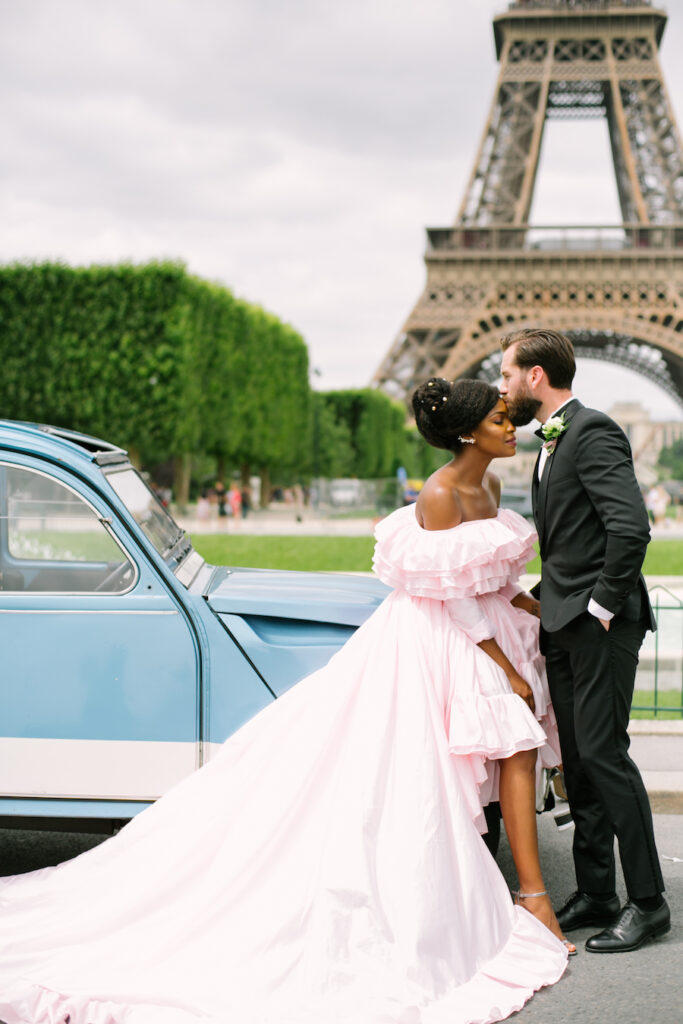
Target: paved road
(644, 987)
(632, 988)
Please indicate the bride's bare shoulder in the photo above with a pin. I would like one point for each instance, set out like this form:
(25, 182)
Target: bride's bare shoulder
(438, 505)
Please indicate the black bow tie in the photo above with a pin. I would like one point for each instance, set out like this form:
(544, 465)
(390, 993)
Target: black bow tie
(539, 433)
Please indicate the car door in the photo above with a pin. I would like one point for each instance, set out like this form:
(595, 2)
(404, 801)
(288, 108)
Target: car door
(99, 696)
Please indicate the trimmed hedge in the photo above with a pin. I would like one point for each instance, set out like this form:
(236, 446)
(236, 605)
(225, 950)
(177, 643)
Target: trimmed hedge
(153, 359)
(363, 433)
(167, 365)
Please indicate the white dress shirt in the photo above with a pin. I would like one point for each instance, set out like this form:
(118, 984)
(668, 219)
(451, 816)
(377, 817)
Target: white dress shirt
(544, 454)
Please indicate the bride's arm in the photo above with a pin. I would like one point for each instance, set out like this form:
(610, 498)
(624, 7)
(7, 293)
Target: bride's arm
(518, 684)
(466, 612)
(528, 603)
(518, 597)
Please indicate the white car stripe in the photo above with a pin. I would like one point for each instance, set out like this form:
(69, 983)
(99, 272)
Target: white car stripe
(93, 769)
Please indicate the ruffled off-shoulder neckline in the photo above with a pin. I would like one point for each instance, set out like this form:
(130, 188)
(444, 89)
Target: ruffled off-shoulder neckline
(474, 557)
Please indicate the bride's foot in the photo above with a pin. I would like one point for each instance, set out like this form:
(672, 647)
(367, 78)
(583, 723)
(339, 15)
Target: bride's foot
(538, 904)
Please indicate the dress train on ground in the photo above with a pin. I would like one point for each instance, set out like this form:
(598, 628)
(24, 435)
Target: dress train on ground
(327, 865)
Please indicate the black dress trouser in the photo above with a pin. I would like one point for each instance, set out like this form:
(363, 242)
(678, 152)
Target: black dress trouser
(591, 675)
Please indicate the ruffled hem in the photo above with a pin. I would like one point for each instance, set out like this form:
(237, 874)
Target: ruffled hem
(470, 559)
(484, 731)
(496, 726)
(530, 959)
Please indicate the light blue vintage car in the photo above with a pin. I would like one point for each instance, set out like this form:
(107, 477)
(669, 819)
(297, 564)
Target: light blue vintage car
(126, 658)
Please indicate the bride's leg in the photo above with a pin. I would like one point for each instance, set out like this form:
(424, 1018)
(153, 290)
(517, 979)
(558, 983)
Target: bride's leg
(518, 806)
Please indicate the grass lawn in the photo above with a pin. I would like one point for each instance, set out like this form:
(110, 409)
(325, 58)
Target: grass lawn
(354, 554)
(665, 699)
(320, 554)
(663, 558)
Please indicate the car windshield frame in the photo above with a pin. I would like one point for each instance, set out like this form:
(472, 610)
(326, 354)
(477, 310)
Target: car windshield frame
(156, 522)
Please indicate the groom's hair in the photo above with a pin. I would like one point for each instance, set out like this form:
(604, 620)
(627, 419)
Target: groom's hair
(537, 346)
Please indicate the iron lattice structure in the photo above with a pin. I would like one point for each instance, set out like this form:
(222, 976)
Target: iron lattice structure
(616, 290)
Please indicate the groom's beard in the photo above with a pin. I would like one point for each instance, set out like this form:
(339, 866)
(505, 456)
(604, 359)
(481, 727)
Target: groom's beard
(523, 410)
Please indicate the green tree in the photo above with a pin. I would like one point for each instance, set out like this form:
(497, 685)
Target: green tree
(274, 398)
(671, 461)
(89, 348)
(332, 452)
(158, 361)
(376, 428)
(421, 458)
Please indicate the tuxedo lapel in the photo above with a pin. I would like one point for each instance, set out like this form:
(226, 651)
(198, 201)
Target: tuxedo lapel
(540, 488)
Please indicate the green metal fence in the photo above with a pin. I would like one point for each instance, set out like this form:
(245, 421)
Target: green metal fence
(659, 680)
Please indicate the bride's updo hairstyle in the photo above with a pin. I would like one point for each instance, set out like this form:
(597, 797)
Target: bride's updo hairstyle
(446, 410)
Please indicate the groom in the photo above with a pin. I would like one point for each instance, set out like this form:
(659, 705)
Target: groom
(593, 531)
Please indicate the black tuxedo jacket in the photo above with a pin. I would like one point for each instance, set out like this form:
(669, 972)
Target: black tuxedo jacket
(592, 525)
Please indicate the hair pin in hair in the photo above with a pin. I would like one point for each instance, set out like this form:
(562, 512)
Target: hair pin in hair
(466, 440)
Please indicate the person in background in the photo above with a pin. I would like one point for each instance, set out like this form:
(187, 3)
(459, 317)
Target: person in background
(246, 500)
(235, 502)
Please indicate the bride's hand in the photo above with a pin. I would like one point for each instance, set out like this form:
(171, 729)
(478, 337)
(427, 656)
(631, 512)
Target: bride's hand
(518, 685)
(522, 689)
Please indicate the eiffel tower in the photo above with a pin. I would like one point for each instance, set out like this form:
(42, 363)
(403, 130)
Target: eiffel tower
(616, 290)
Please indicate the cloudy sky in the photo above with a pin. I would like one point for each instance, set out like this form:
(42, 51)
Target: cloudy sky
(293, 150)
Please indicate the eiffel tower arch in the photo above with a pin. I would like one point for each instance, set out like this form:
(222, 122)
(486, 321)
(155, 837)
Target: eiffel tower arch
(616, 290)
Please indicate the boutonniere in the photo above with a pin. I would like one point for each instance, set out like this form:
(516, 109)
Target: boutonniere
(552, 430)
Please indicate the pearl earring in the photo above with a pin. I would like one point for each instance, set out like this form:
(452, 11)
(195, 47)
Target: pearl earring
(466, 440)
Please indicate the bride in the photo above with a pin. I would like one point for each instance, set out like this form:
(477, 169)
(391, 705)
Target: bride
(327, 867)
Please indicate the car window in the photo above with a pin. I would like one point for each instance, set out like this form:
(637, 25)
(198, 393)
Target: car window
(52, 540)
(156, 523)
(159, 527)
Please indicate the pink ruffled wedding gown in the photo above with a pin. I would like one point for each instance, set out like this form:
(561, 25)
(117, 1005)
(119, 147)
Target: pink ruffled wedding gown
(326, 867)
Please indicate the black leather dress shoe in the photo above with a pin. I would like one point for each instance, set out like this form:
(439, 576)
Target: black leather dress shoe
(632, 928)
(582, 911)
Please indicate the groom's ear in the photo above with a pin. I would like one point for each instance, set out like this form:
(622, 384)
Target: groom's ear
(536, 376)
